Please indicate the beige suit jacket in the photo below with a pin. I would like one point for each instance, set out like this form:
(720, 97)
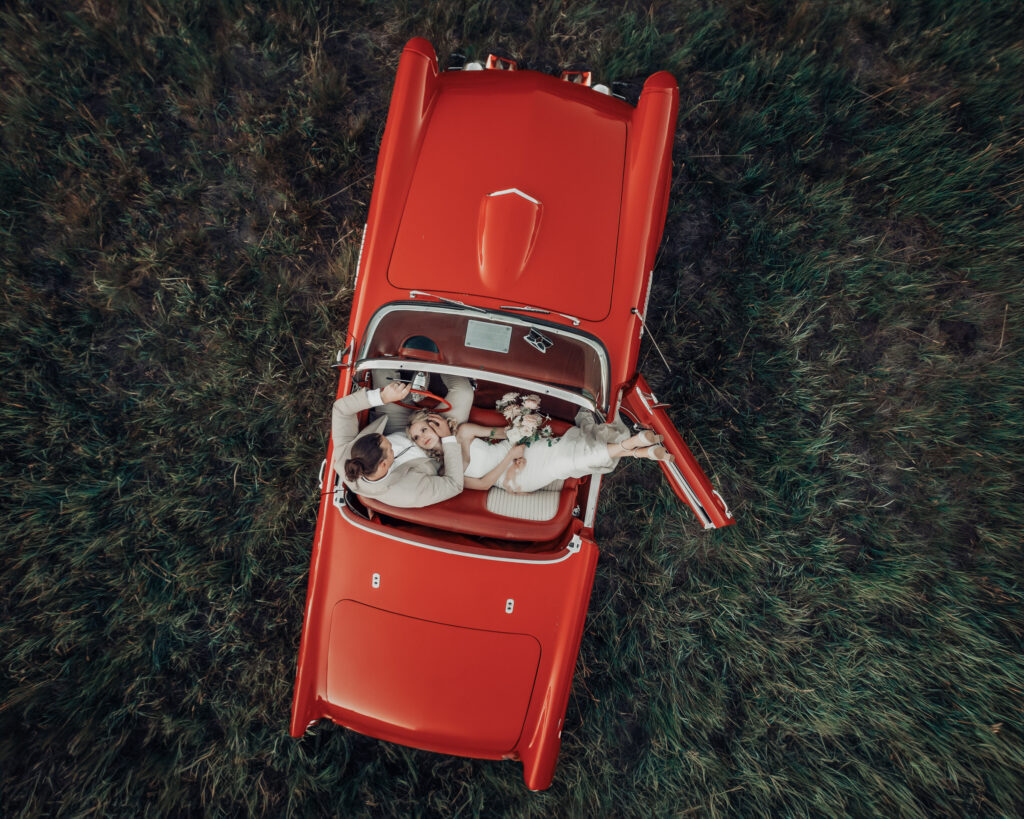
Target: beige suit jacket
(459, 395)
(410, 485)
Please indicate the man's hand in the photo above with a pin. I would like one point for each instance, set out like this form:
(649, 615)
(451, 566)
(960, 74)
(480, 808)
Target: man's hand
(395, 391)
(440, 425)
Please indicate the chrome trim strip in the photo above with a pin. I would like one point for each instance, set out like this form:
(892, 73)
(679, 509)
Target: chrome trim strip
(595, 488)
(695, 504)
(414, 293)
(471, 372)
(569, 551)
(647, 303)
(518, 192)
(527, 309)
(497, 315)
(359, 263)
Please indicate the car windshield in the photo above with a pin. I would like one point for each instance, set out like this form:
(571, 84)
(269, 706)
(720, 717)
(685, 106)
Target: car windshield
(488, 343)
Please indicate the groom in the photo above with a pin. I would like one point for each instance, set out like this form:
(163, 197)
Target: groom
(390, 467)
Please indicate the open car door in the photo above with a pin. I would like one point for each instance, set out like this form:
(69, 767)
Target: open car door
(686, 477)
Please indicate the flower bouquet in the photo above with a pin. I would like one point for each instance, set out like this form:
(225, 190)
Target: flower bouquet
(526, 424)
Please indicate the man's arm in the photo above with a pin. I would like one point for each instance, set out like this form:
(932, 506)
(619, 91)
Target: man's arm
(460, 396)
(397, 415)
(344, 414)
(419, 487)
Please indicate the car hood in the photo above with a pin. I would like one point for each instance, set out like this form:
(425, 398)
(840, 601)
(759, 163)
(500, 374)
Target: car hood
(516, 195)
(426, 684)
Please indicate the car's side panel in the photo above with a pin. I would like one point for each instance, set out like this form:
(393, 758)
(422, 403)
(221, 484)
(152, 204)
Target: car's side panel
(306, 674)
(647, 176)
(539, 749)
(416, 89)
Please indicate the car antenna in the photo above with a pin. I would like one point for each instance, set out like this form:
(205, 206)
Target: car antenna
(643, 323)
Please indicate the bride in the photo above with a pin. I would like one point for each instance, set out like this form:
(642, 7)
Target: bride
(492, 460)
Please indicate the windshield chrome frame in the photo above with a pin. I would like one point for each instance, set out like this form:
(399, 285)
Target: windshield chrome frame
(601, 404)
(524, 384)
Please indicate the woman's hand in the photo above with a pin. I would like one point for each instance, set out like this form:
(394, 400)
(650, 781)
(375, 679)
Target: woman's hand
(509, 466)
(517, 459)
(512, 473)
(394, 392)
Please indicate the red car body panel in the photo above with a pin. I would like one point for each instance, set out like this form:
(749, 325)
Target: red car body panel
(442, 587)
(573, 169)
(454, 629)
(645, 175)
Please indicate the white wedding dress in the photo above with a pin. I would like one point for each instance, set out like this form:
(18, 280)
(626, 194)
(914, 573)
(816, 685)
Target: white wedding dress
(581, 451)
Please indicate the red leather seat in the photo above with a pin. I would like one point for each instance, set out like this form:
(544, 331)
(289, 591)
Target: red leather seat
(467, 512)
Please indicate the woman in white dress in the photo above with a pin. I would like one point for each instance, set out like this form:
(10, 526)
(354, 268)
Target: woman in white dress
(492, 460)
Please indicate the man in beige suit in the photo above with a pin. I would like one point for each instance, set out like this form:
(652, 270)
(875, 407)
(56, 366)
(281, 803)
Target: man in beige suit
(390, 467)
(459, 395)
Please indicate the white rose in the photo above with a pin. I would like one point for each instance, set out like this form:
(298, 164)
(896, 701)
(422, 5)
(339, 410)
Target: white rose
(532, 402)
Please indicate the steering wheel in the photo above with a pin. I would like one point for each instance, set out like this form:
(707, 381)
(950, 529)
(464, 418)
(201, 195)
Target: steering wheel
(442, 404)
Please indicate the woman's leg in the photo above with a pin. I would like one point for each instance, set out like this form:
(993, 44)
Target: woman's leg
(654, 453)
(576, 456)
(644, 439)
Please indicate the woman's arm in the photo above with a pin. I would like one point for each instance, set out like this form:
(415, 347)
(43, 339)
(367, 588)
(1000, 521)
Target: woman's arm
(491, 478)
(468, 431)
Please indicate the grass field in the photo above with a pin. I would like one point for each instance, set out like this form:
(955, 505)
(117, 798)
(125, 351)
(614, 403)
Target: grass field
(182, 191)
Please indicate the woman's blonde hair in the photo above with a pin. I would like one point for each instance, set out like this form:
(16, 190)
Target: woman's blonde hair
(423, 415)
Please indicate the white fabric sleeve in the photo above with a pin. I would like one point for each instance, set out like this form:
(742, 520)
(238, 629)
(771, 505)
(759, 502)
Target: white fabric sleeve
(374, 398)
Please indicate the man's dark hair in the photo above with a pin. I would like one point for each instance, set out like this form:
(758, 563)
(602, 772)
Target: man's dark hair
(364, 458)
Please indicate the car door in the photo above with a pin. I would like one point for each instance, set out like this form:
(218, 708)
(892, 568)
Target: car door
(686, 477)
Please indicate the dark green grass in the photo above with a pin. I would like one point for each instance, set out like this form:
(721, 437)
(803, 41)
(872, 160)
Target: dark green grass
(182, 189)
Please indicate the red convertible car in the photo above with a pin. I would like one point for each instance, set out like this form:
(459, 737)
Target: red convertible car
(511, 239)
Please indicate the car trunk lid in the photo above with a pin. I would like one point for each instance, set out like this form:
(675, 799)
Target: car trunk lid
(429, 684)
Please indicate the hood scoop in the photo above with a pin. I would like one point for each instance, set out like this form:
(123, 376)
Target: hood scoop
(507, 228)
